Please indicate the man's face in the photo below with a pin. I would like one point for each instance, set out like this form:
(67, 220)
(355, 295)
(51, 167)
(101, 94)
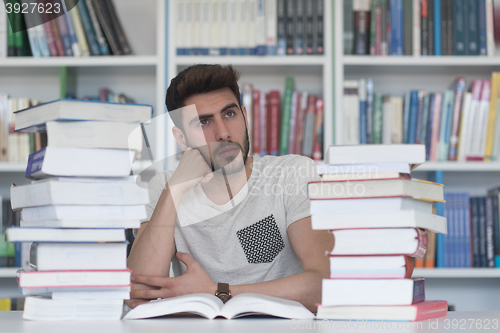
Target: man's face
(218, 129)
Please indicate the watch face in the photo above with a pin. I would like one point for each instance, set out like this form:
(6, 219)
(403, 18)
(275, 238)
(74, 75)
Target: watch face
(224, 297)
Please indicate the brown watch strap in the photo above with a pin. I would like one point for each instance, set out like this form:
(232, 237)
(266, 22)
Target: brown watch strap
(223, 288)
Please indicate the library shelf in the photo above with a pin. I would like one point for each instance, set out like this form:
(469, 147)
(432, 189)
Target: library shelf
(96, 61)
(353, 60)
(8, 272)
(306, 60)
(457, 272)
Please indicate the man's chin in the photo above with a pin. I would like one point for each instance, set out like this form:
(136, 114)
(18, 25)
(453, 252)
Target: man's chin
(231, 164)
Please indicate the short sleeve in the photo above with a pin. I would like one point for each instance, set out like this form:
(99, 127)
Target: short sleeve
(300, 171)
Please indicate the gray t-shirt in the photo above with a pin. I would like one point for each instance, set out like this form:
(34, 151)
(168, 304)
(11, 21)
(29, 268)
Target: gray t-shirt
(245, 240)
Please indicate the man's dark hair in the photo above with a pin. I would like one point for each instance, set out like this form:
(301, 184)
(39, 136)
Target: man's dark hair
(199, 79)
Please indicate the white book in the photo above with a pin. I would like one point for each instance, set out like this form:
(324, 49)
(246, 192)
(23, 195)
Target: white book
(490, 34)
(396, 120)
(351, 113)
(205, 29)
(260, 23)
(416, 28)
(46, 309)
(224, 26)
(70, 279)
(251, 29)
(64, 223)
(42, 37)
(79, 256)
(233, 27)
(214, 26)
(34, 118)
(375, 153)
(364, 220)
(16, 234)
(484, 110)
(271, 26)
(464, 127)
(79, 162)
(386, 120)
(210, 306)
(94, 295)
(94, 134)
(472, 135)
(371, 205)
(74, 212)
(55, 192)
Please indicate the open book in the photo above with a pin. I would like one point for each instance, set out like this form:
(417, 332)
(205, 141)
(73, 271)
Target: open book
(210, 306)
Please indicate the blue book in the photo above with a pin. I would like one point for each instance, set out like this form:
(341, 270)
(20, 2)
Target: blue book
(65, 37)
(461, 253)
(362, 111)
(437, 27)
(430, 123)
(397, 27)
(71, 31)
(459, 27)
(482, 232)
(439, 237)
(467, 228)
(481, 8)
(446, 238)
(496, 230)
(471, 31)
(88, 28)
(412, 125)
(406, 116)
(457, 242)
(369, 110)
(420, 117)
(489, 234)
(445, 128)
(476, 260)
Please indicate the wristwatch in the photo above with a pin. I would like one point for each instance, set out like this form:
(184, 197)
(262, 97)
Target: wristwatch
(223, 292)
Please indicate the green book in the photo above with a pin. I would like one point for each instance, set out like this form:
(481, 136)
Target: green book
(67, 82)
(377, 118)
(286, 112)
(10, 37)
(445, 125)
(373, 27)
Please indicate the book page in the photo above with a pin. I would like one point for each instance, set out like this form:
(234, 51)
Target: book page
(252, 304)
(205, 305)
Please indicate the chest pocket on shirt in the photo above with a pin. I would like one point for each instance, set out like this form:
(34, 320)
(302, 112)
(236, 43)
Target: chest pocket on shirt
(261, 241)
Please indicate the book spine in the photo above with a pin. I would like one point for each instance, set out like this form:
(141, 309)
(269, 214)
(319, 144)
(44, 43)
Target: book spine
(484, 117)
(490, 36)
(431, 28)
(437, 27)
(318, 131)
(57, 38)
(373, 28)
(407, 21)
(80, 34)
(205, 27)
(319, 28)
(223, 28)
(412, 125)
(457, 108)
(75, 48)
(450, 24)
(418, 290)
(466, 212)
(273, 129)
(50, 39)
(214, 27)
(472, 35)
(284, 131)
(481, 8)
(377, 118)
(416, 29)
(260, 22)
(436, 125)
(424, 25)
(272, 26)
(384, 19)
(431, 310)
(299, 27)
(378, 28)
(293, 122)
(64, 34)
(309, 28)
(264, 108)
(281, 27)
(444, 27)
(490, 243)
(430, 125)
(300, 121)
(106, 25)
(101, 40)
(399, 28)
(496, 230)
(425, 120)
(406, 116)
(242, 16)
(120, 33)
(257, 127)
(290, 27)
(362, 111)
(307, 142)
(369, 110)
(459, 27)
(482, 232)
(420, 115)
(386, 120)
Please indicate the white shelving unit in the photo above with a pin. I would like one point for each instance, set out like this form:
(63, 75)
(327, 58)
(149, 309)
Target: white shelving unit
(312, 73)
(468, 288)
(140, 76)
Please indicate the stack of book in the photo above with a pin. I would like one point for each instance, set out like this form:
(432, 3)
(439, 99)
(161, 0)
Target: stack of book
(77, 208)
(379, 216)
(53, 28)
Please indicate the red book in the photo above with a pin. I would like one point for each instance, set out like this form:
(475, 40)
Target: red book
(57, 39)
(318, 131)
(438, 98)
(273, 128)
(415, 312)
(256, 123)
(300, 122)
(296, 97)
(49, 34)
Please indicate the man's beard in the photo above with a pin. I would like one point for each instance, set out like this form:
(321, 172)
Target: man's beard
(230, 164)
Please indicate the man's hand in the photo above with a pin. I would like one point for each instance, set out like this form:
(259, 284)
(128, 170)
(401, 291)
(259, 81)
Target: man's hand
(192, 170)
(194, 280)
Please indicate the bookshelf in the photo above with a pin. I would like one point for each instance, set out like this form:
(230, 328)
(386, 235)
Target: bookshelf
(394, 75)
(312, 73)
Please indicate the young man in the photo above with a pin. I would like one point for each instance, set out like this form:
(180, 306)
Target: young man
(228, 217)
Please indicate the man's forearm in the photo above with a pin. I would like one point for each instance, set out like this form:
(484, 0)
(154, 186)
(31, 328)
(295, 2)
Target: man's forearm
(304, 288)
(154, 248)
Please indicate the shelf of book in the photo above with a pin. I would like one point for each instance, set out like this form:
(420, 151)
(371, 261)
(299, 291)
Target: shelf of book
(420, 61)
(457, 273)
(115, 61)
(314, 60)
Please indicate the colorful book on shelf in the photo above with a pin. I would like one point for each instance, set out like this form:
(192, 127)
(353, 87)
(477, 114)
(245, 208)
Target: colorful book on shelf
(336, 292)
(383, 241)
(274, 126)
(284, 131)
(493, 133)
(424, 310)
